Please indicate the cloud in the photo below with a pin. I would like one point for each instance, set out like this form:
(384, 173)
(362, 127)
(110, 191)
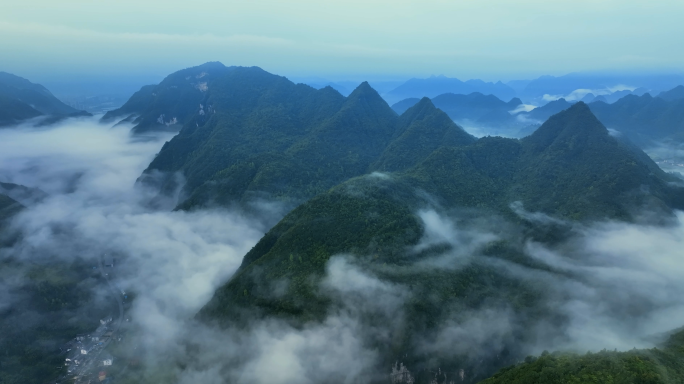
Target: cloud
(522, 108)
(463, 240)
(620, 282)
(172, 262)
(669, 156)
(578, 94)
(614, 284)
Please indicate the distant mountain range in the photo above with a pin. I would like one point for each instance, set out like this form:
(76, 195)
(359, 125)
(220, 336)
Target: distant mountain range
(567, 86)
(346, 87)
(674, 94)
(586, 87)
(643, 119)
(437, 85)
(21, 99)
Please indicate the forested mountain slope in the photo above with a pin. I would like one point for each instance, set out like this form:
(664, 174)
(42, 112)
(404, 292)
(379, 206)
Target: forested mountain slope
(170, 104)
(266, 137)
(644, 119)
(570, 168)
(35, 95)
(664, 365)
(473, 109)
(13, 111)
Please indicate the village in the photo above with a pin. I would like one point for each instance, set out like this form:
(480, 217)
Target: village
(86, 360)
(85, 354)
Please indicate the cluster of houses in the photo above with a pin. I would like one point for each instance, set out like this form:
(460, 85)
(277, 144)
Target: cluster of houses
(87, 350)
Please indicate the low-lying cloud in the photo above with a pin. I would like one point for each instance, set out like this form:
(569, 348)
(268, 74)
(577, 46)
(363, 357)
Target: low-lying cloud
(617, 284)
(580, 93)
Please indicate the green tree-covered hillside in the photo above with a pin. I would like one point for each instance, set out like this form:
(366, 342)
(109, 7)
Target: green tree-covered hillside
(262, 136)
(570, 168)
(664, 365)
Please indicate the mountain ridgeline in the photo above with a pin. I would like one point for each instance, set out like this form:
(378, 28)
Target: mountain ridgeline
(644, 120)
(438, 85)
(21, 99)
(260, 136)
(170, 104)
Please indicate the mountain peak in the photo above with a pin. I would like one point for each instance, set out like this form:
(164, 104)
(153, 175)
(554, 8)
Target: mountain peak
(363, 87)
(365, 92)
(425, 103)
(419, 110)
(572, 126)
(515, 102)
(673, 94)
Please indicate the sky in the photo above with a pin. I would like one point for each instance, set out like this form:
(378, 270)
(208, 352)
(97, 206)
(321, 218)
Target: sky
(341, 40)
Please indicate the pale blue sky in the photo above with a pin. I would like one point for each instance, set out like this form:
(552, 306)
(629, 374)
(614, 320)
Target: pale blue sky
(489, 39)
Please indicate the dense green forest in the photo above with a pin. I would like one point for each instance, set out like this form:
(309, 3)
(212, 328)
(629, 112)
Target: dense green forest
(264, 137)
(570, 168)
(664, 365)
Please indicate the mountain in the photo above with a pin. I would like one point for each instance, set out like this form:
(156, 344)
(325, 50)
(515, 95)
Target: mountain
(8, 207)
(266, 137)
(571, 168)
(401, 106)
(24, 195)
(13, 111)
(170, 104)
(35, 96)
(673, 94)
(588, 98)
(437, 85)
(643, 119)
(475, 110)
(658, 366)
(475, 107)
(541, 114)
(420, 130)
(565, 85)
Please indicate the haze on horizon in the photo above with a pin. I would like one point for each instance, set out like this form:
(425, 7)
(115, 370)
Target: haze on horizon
(490, 39)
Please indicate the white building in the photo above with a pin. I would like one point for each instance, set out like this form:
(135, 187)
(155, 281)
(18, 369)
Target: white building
(84, 352)
(107, 362)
